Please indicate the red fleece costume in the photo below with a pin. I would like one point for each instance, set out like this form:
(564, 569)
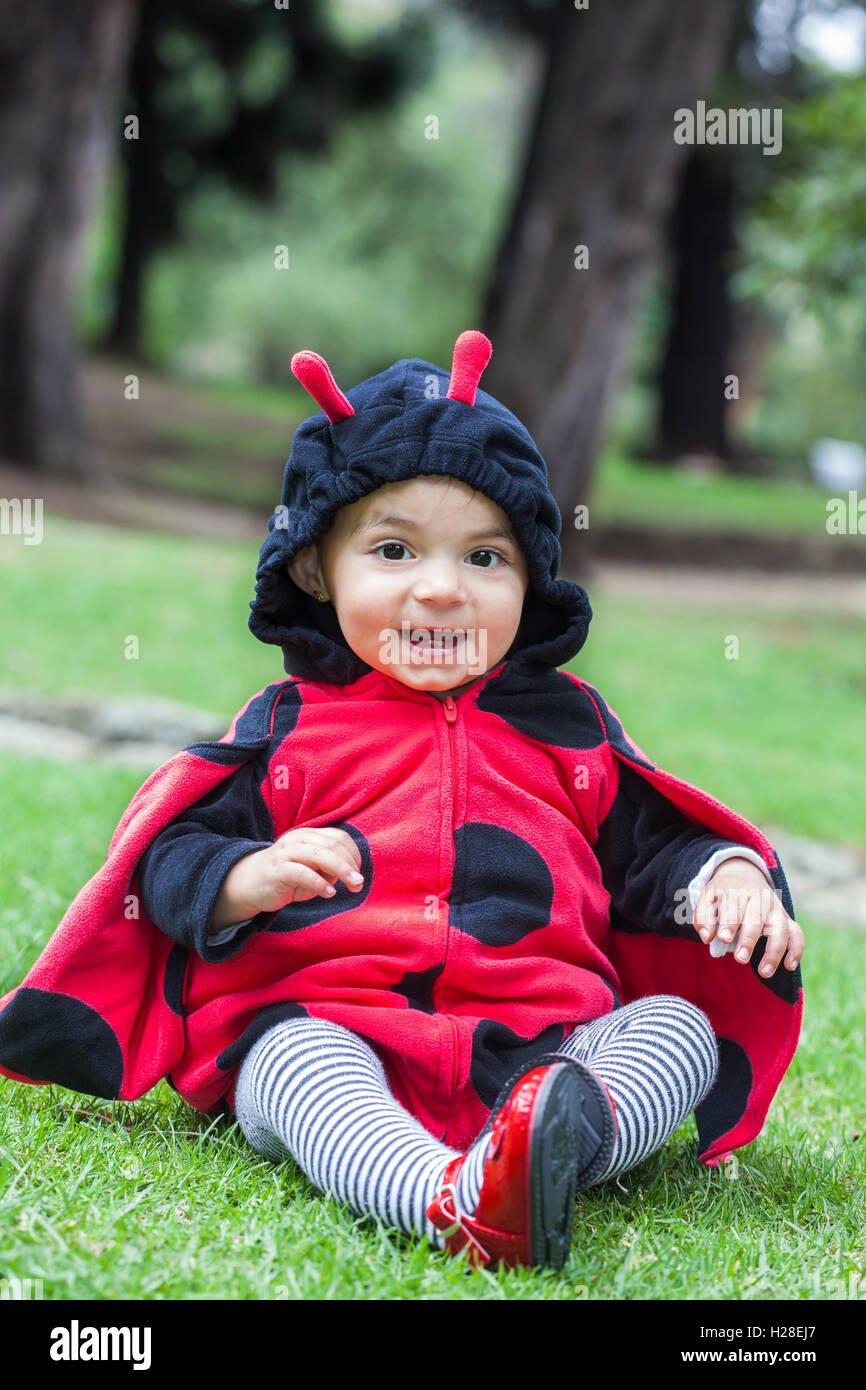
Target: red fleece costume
(484, 930)
(523, 860)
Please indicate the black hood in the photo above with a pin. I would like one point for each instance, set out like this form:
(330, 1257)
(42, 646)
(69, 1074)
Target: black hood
(405, 426)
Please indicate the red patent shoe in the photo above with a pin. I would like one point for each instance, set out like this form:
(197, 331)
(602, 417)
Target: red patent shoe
(525, 1212)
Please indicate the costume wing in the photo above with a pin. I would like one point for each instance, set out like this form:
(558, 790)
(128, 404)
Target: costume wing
(756, 1020)
(101, 1009)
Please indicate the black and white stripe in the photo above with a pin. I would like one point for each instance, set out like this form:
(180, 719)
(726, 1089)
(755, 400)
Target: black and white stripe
(658, 1057)
(315, 1092)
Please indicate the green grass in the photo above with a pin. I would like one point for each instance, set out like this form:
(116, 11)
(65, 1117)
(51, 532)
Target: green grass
(152, 1200)
(257, 489)
(71, 603)
(772, 733)
(155, 1200)
(627, 492)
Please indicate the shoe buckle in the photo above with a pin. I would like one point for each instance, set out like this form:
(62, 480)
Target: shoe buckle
(449, 1192)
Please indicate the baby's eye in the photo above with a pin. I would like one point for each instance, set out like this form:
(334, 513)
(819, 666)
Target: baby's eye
(390, 545)
(499, 559)
(493, 555)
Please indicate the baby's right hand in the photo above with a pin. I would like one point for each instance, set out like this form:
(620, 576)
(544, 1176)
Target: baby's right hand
(300, 865)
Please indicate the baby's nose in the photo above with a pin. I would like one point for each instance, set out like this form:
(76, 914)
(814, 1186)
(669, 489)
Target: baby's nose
(442, 587)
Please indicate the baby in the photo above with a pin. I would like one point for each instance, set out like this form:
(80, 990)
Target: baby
(434, 928)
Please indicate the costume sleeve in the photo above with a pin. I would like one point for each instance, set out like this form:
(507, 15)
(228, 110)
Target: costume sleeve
(651, 855)
(182, 871)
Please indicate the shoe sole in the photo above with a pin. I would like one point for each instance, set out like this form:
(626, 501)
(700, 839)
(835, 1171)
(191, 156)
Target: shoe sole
(554, 1145)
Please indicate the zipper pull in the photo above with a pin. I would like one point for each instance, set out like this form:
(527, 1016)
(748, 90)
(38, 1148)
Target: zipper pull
(450, 709)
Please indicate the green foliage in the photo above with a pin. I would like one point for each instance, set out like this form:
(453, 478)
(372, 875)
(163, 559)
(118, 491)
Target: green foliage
(389, 236)
(806, 241)
(804, 261)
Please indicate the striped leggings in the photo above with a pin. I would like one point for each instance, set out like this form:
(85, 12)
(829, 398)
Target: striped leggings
(315, 1092)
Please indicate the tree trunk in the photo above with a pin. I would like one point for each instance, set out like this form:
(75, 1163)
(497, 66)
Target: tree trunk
(61, 62)
(599, 172)
(142, 203)
(692, 405)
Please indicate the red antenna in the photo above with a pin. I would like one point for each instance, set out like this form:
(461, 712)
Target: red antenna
(472, 352)
(315, 376)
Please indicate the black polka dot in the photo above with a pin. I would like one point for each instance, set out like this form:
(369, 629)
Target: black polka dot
(726, 1103)
(502, 888)
(547, 706)
(417, 987)
(498, 1052)
(52, 1037)
(264, 1019)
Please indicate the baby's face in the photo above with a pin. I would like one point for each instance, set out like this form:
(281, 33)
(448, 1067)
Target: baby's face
(430, 554)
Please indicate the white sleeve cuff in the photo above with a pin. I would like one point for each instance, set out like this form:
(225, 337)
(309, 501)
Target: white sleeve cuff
(219, 938)
(702, 878)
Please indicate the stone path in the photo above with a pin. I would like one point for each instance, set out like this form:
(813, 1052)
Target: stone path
(140, 731)
(773, 593)
(828, 882)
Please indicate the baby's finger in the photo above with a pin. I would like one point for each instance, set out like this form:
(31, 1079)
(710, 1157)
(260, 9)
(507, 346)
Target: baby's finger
(341, 840)
(705, 915)
(750, 930)
(730, 912)
(332, 863)
(294, 875)
(796, 945)
(349, 845)
(776, 932)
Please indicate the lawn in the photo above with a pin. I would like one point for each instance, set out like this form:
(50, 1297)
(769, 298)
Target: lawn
(151, 1199)
(640, 494)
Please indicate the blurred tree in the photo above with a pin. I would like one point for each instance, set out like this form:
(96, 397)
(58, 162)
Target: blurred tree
(224, 88)
(61, 63)
(598, 174)
(807, 240)
(709, 334)
(692, 416)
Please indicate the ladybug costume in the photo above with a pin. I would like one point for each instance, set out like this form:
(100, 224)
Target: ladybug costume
(521, 854)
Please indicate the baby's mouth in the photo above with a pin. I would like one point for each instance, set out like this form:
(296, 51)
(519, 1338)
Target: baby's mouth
(448, 644)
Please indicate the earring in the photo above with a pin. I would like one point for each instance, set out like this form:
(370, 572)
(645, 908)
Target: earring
(323, 598)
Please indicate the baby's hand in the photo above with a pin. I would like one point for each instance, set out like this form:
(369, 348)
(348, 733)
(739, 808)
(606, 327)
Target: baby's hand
(300, 865)
(738, 896)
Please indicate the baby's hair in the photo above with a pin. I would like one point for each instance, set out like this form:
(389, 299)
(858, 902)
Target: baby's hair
(451, 479)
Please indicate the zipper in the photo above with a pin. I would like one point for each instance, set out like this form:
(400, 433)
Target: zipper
(455, 1053)
(449, 709)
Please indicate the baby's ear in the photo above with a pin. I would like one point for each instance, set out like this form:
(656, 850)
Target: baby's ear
(303, 568)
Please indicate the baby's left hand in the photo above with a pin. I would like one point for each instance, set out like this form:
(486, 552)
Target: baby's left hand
(738, 895)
